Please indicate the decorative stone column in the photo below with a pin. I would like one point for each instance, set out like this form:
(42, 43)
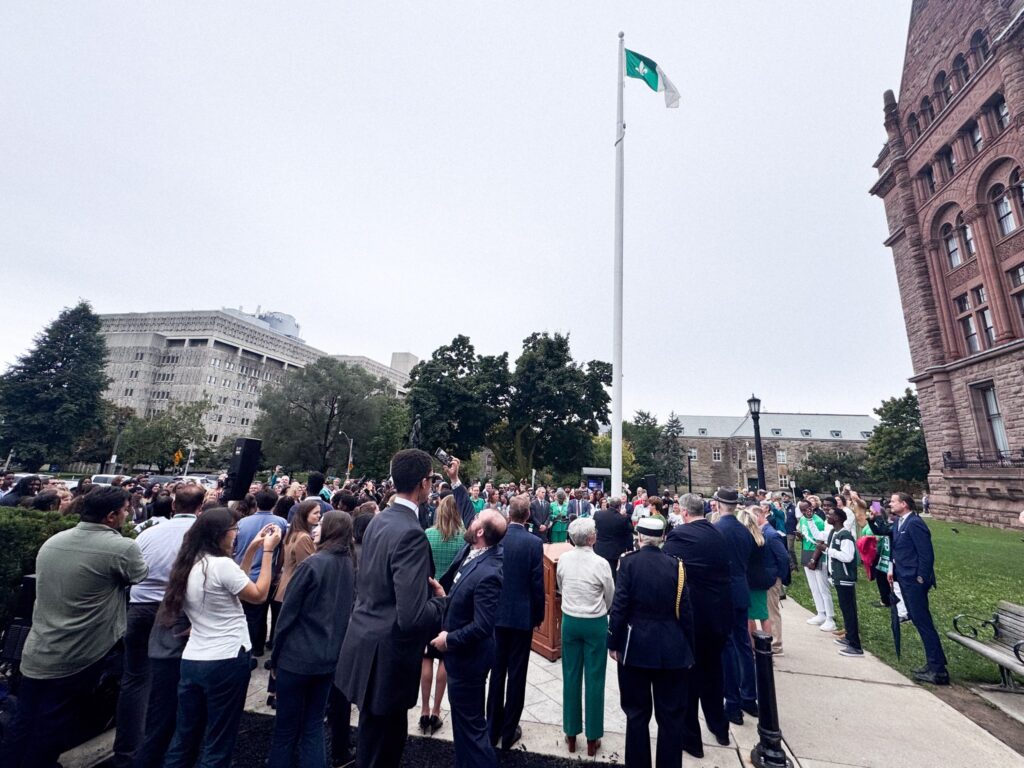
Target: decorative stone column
(990, 272)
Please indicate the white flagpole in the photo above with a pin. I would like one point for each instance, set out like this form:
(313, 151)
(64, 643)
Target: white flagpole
(620, 136)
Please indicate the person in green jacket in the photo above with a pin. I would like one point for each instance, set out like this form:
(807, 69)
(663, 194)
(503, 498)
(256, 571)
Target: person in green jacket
(559, 518)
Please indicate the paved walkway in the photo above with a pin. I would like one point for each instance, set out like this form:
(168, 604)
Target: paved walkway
(835, 712)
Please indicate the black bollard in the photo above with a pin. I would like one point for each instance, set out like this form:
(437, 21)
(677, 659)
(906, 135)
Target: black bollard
(768, 753)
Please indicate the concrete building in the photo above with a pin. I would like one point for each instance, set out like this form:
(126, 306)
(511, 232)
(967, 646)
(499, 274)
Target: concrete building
(722, 448)
(950, 175)
(227, 355)
(396, 374)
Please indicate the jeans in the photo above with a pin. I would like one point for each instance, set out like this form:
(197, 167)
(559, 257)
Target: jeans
(848, 605)
(299, 724)
(135, 679)
(47, 718)
(738, 681)
(211, 696)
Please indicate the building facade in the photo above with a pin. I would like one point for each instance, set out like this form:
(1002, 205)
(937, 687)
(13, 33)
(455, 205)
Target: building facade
(228, 356)
(722, 450)
(950, 176)
(396, 374)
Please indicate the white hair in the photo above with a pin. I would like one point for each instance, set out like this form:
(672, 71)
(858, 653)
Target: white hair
(581, 529)
(643, 540)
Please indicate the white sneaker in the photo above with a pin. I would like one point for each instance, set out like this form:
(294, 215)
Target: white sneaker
(817, 620)
(828, 626)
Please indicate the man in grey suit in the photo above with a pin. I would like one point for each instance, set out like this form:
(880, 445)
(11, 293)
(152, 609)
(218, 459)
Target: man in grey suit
(398, 610)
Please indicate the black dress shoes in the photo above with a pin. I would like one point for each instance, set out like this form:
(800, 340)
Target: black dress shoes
(506, 746)
(424, 723)
(750, 708)
(736, 718)
(934, 678)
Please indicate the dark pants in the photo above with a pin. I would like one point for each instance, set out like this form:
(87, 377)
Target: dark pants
(666, 690)
(791, 546)
(131, 704)
(256, 619)
(161, 714)
(299, 724)
(339, 714)
(706, 688)
(885, 594)
(469, 722)
(848, 606)
(45, 722)
(916, 597)
(505, 703)
(380, 739)
(738, 679)
(211, 696)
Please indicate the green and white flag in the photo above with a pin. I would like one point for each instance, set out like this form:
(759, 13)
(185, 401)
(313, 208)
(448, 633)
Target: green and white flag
(643, 68)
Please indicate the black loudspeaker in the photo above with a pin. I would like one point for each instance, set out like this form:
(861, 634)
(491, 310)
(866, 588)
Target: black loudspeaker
(243, 467)
(651, 484)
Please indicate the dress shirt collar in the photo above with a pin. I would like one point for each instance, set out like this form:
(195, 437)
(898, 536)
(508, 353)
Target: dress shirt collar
(399, 501)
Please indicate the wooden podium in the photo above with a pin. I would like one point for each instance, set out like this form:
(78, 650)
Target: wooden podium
(547, 638)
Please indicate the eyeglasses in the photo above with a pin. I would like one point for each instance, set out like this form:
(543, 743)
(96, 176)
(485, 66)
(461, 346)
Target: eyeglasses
(233, 528)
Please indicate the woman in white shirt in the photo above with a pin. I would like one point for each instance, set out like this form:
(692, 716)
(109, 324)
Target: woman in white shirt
(207, 584)
(585, 582)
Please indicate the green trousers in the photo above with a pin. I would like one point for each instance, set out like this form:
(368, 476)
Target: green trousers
(584, 657)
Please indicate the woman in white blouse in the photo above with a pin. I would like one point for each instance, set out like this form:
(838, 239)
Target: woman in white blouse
(585, 583)
(207, 584)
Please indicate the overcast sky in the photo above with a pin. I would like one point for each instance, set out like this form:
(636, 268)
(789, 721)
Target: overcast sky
(394, 174)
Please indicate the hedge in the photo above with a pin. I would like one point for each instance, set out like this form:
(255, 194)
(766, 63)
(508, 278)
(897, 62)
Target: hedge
(22, 533)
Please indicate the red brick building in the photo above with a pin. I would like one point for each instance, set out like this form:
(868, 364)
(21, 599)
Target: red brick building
(951, 178)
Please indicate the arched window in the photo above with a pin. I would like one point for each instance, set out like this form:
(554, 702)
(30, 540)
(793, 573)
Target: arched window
(979, 47)
(952, 246)
(928, 176)
(926, 112)
(914, 127)
(1001, 111)
(961, 70)
(943, 89)
(968, 236)
(1000, 199)
(977, 140)
(1017, 188)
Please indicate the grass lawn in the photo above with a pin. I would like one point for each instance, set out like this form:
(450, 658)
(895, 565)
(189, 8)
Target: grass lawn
(975, 569)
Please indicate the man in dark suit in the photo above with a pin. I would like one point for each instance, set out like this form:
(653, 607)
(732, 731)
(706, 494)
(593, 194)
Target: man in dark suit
(579, 504)
(520, 609)
(913, 560)
(467, 637)
(650, 635)
(738, 657)
(614, 533)
(703, 551)
(540, 514)
(393, 618)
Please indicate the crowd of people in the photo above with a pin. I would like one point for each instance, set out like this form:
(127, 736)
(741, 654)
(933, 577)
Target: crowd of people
(392, 594)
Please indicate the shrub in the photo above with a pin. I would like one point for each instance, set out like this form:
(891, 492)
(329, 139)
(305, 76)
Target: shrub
(23, 532)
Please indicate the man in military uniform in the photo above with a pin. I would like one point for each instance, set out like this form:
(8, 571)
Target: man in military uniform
(650, 636)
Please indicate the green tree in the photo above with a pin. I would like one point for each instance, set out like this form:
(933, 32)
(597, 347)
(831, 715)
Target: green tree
(821, 469)
(96, 446)
(155, 440)
(374, 459)
(301, 418)
(52, 397)
(542, 413)
(896, 449)
(645, 435)
(216, 457)
(603, 455)
(671, 457)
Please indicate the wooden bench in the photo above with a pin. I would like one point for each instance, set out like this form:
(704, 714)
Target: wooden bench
(1006, 645)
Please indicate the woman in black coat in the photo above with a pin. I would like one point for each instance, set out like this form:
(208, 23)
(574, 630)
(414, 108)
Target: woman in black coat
(307, 642)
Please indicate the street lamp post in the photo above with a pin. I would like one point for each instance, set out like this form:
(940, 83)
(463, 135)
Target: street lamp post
(348, 467)
(754, 404)
(121, 424)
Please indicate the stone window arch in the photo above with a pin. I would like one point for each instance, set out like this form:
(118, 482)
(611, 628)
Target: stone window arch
(951, 246)
(980, 48)
(966, 236)
(914, 127)
(1002, 207)
(927, 112)
(961, 70)
(943, 90)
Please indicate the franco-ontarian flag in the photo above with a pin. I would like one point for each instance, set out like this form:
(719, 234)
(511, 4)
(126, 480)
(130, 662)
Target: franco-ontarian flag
(639, 66)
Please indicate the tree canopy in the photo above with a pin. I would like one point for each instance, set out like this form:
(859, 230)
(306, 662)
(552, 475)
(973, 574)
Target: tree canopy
(301, 417)
(896, 449)
(544, 412)
(51, 397)
(156, 440)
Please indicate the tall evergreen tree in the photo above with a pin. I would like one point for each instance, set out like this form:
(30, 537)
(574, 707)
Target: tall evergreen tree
(671, 459)
(51, 397)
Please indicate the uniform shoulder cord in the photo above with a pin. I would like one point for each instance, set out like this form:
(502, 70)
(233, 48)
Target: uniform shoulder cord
(680, 583)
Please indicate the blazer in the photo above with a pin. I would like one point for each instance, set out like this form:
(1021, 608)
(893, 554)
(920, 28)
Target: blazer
(522, 592)
(614, 534)
(465, 504)
(912, 551)
(739, 545)
(471, 607)
(703, 550)
(540, 514)
(580, 508)
(394, 615)
(642, 625)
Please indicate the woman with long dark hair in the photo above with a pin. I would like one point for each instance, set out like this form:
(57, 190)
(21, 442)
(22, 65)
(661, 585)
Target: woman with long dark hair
(310, 631)
(207, 585)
